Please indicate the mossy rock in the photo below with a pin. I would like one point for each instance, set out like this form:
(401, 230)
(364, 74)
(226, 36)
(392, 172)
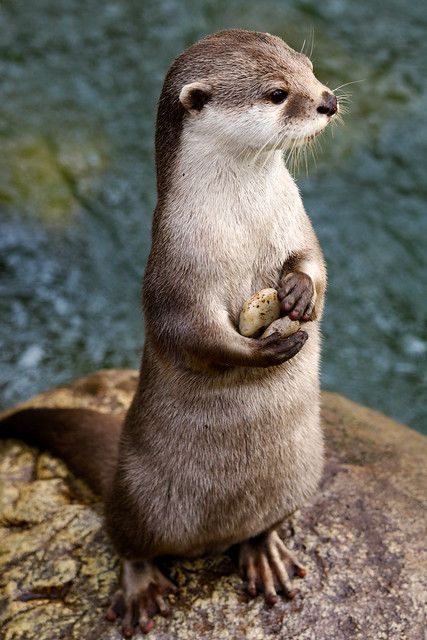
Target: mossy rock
(363, 539)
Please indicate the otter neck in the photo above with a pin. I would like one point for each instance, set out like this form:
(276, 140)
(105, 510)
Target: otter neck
(203, 152)
(213, 176)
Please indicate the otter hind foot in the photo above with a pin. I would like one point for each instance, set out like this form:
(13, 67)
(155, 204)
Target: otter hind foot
(141, 596)
(265, 562)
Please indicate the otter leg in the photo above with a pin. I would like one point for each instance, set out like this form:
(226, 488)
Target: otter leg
(265, 563)
(142, 595)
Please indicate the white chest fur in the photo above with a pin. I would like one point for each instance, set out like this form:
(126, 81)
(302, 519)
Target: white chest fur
(238, 214)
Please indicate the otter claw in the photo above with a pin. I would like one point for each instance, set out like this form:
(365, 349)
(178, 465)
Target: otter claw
(264, 563)
(141, 597)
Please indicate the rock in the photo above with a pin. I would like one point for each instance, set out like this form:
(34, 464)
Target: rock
(263, 310)
(363, 539)
(258, 312)
(284, 326)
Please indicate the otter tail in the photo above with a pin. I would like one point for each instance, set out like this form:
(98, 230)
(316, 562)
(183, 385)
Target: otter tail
(86, 440)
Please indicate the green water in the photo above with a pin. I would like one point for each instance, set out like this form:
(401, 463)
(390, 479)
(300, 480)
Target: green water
(79, 84)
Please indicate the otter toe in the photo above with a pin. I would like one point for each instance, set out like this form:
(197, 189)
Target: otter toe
(265, 563)
(142, 596)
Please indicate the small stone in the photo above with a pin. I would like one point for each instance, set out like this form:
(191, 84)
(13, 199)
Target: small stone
(259, 311)
(284, 326)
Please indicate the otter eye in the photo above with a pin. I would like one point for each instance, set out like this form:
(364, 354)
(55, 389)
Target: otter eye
(278, 96)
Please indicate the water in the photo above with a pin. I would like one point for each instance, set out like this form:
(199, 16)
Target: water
(79, 84)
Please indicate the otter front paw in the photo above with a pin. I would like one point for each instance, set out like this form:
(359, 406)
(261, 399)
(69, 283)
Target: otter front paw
(297, 296)
(274, 349)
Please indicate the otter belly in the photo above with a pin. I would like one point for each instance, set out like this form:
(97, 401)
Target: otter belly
(228, 455)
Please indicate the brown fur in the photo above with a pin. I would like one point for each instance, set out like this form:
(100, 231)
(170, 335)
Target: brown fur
(87, 440)
(222, 440)
(219, 58)
(182, 432)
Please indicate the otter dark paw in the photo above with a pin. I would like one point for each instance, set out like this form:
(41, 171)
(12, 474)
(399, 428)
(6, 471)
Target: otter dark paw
(274, 350)
(141, 596)
(264, 562)
(297, 296)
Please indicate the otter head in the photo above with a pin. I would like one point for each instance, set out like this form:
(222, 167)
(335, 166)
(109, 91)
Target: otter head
(240, 91)
(250, 90)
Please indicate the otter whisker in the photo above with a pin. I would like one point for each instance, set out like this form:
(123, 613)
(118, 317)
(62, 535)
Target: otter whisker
(343, 110)
(271, 153)
(343, 101)
(287, 154)
(343, 94)
(264, 147)
(348, 83)
(312, 43)
(343, 97)
(274, 148)
(290, 158)
(313, 149)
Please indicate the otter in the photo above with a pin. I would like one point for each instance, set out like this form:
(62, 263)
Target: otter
(222, 441)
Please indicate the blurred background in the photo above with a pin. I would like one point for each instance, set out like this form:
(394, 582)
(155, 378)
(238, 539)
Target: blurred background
(79, 84)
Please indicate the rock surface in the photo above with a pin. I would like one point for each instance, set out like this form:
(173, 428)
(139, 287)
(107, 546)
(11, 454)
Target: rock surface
(363, 540)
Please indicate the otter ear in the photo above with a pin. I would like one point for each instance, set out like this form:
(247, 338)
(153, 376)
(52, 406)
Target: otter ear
(194, 96)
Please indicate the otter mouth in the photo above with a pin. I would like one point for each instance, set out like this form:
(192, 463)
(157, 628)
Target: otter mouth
(300, 141)
(304, 139)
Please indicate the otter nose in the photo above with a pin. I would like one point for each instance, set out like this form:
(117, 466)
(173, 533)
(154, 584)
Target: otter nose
(329, 106)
